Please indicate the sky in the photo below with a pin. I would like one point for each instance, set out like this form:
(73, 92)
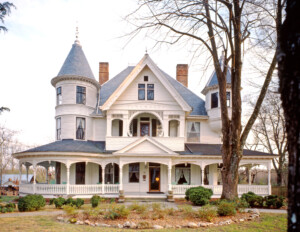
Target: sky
(39, 38)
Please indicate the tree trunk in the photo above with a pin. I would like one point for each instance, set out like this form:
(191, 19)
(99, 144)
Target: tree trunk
(279, 177)
(289, 75)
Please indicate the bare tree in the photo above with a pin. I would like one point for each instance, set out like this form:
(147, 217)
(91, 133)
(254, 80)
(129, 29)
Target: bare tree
(269, 132)
(6, 136)
(5, 9)
(220, 26)
(289, 75)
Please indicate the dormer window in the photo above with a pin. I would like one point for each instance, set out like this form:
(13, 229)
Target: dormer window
(80, 128)
(228, 99)
(58, 96)
(215, 100)
(145, 78)
(141, 91)
(80, 95)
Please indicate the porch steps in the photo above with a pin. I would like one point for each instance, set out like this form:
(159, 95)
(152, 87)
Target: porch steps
(142, 199)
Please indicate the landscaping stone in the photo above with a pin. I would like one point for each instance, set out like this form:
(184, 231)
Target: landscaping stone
(60, 219)
(130, 225)
(87, 222)
(242, 220)
(178, 226)
(168, 226)
(192, 225)
(103, 225)
(120, 226)
(254, 211)
(157, 227)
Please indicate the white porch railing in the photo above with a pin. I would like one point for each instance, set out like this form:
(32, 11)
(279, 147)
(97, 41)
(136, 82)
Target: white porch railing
(50, 189)
(111, 188)
(85, 189)
(217, 189)
(26, 188)
(56, 189)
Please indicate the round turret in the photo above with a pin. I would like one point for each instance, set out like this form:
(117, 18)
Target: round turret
(76, 96)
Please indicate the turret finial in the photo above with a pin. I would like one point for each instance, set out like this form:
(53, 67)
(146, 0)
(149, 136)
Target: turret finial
(77, 34)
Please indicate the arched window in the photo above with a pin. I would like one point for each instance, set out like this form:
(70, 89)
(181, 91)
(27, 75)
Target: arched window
(183, 174)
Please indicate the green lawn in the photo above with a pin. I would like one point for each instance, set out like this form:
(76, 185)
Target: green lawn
(267, 222)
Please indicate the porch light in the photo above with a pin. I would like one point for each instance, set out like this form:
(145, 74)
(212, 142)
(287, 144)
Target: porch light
(157, 179)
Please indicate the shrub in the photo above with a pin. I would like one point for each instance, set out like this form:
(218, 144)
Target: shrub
(207, 213)
(144, 225)
(215, 202)
(115, 212)
(187, 210)
(156, 206)
(31, 202)
(170, 211)
(70, 210)
(95, 201)
(139, 208)
(252, 199)
(51, 202)
(70, 201)
(10, 205)
(200, 195)
(79, 202)
(274, 201)
(59, 202)
(226, 208)
(241, 204)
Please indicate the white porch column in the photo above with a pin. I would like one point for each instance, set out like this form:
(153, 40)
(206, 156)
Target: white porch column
(125, 125)
(103, 178)
(249, 176)
(169, 177)
(202, 176)
(47, 174)
(68, 179)
(20, 173)
(121, 176)
(181, 126)
(269, 179)
(34, 178)
(108, 125)
(27, 170)
(166, 125)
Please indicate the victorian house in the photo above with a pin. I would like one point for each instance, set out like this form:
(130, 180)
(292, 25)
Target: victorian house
(141, 133)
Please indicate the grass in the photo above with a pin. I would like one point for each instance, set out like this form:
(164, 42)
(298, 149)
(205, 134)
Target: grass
(267, 222)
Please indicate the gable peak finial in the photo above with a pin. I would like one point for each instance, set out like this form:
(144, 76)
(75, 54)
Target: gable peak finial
(146, 51)
(77, 35)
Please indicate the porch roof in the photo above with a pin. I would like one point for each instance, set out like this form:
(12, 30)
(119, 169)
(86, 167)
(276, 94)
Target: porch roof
(215, 149)
(70, 145)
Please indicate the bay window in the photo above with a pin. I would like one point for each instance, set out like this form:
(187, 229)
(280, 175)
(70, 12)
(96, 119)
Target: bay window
(80, 128)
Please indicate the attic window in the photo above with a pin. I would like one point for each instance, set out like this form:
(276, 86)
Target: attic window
(145, 78)
(141, 91)
(214, 100)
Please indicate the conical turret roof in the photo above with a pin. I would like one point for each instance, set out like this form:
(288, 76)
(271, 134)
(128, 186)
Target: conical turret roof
(76, 63)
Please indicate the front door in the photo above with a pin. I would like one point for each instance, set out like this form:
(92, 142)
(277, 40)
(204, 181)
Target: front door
(145, 128)
(154, 177)
(80, 173)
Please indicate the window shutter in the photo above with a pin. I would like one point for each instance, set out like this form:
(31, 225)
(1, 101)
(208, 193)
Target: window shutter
(134, 127)
(153, 127)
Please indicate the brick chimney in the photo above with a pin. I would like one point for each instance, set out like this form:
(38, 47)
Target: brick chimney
(182, 74)
(103, 72)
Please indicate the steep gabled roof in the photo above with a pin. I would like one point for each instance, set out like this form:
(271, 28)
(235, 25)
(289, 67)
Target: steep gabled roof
(76, 63)
(194, 101)
(146, 61)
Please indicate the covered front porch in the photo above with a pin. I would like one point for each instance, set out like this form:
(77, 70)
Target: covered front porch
(146, 179)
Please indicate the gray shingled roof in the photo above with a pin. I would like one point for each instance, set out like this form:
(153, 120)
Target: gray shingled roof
(194, 101)
(70, 145)
(76, 63)
(214, 79)
(214, 149)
